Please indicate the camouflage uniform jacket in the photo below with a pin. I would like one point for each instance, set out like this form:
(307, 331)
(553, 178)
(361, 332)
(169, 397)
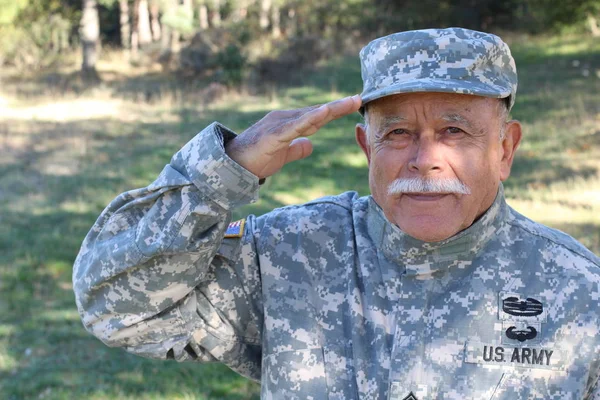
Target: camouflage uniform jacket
(330, 300)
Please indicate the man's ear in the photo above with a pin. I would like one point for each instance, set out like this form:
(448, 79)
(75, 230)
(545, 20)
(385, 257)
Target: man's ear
(510, 143)
(363, 140)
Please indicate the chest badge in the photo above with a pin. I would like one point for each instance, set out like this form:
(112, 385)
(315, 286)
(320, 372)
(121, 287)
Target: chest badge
(529, 307)
(521, 334)
(410, 396)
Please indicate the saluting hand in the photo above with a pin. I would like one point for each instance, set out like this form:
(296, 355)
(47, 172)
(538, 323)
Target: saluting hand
(281, 136)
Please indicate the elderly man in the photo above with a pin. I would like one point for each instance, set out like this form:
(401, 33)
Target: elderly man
(430, 288)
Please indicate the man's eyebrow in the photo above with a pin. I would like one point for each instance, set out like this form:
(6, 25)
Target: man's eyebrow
(457, 118)
(387, 122)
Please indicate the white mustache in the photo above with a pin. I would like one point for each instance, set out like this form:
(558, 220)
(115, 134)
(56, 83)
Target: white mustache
(421, 185)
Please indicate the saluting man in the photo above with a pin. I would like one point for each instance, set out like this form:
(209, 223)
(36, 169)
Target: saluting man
(432, 287)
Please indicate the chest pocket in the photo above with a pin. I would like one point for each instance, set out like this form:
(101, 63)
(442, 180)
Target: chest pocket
(317, 373)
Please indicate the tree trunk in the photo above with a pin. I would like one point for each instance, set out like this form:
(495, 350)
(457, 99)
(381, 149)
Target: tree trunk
(275, 21)
(203, 16)
(175, 38)
(144, 32)
(135, 42)
(216, 13)
(165, 40)
(188, 5)
(593, 24)
(188, 8)
(124, 24)
(292, 23)
(155, 21)
(240, 12)
(90, 35)
(265, 7)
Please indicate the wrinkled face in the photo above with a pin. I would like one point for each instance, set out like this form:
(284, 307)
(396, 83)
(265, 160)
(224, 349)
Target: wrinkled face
(436, 137)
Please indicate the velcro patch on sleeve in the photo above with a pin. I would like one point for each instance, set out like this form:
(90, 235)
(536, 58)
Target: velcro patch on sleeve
(235, 229)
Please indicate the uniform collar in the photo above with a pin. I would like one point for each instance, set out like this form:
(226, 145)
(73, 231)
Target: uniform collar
(426, 257)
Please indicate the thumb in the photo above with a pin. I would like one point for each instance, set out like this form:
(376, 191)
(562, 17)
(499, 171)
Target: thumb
(299, 148)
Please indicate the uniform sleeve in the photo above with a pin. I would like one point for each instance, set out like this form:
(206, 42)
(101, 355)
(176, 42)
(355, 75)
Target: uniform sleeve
(155, 275)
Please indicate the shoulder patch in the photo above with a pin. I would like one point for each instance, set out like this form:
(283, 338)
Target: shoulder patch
(235, 229)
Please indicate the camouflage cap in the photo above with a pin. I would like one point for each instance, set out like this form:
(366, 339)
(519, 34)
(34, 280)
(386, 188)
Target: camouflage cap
(453, 60)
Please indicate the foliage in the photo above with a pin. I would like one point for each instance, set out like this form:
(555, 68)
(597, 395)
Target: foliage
(558, 14)
(40, 45)
(9, 10)
(219, 51)
(179, 18)
(343, 22)
(35, 33)
(232, 65)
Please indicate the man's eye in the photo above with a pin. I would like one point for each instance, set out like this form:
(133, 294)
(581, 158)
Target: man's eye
(399, 131)
(454, 131)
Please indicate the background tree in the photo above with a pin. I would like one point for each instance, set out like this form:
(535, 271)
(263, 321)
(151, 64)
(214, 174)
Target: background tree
(124, 24)
(90, 37)
(143, 26)
(202, 14)
(155, 20)
(215, 12)
(276, 19)
(265, 8)
(36, 33)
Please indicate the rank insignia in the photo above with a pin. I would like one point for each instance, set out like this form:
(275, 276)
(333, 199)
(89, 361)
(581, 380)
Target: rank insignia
(235, 229)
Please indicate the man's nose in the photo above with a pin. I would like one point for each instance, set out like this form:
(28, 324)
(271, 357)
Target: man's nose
(427, 156)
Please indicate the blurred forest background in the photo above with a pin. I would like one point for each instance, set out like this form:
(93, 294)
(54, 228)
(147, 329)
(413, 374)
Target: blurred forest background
(96, 95)
(233, 39)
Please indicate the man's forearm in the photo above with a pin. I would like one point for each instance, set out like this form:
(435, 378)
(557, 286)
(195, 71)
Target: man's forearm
(151, 247)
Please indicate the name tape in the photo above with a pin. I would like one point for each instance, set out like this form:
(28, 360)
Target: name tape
(512, 356)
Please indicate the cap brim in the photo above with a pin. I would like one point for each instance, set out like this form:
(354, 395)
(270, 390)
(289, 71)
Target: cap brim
(437, 85)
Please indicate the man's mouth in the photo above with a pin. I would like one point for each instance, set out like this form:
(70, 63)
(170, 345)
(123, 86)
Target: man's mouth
(426, 196)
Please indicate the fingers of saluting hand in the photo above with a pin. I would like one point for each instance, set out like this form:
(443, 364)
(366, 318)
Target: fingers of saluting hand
(298, 112)
(298, 149)
(311, 121)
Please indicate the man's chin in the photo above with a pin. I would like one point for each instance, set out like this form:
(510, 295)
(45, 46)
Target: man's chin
(426, 229)
(430, 238)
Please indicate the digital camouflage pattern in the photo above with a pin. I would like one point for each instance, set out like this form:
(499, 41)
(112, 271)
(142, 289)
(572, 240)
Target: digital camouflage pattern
(453, 60)
(330, 300)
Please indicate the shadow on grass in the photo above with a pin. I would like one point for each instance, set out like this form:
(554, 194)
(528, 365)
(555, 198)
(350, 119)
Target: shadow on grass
(539, 171)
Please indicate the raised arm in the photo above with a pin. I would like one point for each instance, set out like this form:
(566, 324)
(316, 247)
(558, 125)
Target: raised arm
(155, 274)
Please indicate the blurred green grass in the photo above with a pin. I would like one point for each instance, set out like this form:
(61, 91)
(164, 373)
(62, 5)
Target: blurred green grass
(58, 172)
